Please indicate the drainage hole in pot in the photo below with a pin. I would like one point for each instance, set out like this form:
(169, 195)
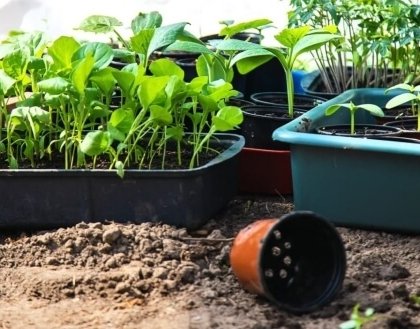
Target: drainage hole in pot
(277, 234)
(276, 251)
(287, 260)
(283, 273)
(287, 245)
(269, 273)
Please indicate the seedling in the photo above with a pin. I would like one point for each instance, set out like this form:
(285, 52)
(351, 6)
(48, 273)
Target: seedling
(411, 95)
(415, 299)
(372, 108)
(358, 319)
(294, 42)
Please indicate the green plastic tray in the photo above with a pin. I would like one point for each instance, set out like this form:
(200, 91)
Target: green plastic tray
(353, 182)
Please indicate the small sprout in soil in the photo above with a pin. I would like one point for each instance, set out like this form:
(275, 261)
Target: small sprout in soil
(415, 299)
(373, 109)
(357, 318)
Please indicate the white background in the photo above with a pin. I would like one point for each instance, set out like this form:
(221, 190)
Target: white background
(58, 17)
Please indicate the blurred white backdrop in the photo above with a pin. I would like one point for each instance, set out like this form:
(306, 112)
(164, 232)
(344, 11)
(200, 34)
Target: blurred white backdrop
(58, 17)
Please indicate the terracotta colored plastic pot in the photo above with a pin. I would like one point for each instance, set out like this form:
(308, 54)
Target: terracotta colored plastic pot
(298, 261)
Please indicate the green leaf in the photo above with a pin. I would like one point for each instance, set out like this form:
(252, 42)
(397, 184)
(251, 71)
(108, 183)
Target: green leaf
(373, 109)
(62, 50)
(332, 109)
(151, 88)
(160, 115)
(176, 133)
(95, 143)
(6, 82)
(165, 66)
(143, 21)
(289, 37)
(227, 118)
(403, 86)
(122, 119)
(99, 24)
(15, 64)
(311, 42)
(141, 41)
(248, 60)
(102, 54)
(125, 81)
(400, 100)
(350, 324)
(120, 168)
(236, 45)
(54, 86)
(164, 36)
(81, 72)
(189, 46)
(104, 79)
(231, 30)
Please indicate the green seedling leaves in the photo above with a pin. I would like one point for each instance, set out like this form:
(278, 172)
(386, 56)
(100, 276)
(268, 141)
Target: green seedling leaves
(125, 81)
(160, 116)
(164, 36)
(99, 24)
(151, 88)
(61, 51)
(400, 100)
(358, 319)
(104, 79)
(16, 63)
(122, 119)
(165, 66)
(236, 45)
(81, 72)
(141, 41)
(102, 54)
(144, 21)
(95, 143)
(250, 59)
(231, 30)
(54, 86)
(372, 108)
(290, 37)
(227, 118)
(189, 46)
(6, 82)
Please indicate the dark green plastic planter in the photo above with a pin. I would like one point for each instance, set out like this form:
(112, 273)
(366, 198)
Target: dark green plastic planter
(35, 199)
(355, 182)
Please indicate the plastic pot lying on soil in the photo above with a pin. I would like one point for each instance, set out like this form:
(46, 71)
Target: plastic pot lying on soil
(298, 261)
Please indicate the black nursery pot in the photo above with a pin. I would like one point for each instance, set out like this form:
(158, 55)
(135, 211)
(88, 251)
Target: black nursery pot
(259, 123)
(297, 261)
(301, 101)
(407, 126)
(361, 130)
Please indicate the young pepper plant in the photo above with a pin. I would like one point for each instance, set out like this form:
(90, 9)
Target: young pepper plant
(410, 95)
(216, 57)
(372, 108)
(148, 34)
(294, 42)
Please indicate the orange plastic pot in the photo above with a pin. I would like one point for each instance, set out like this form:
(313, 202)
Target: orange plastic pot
(297, 261)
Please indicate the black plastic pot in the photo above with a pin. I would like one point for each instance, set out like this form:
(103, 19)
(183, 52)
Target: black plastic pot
(245, 36)
(407, 126)
(44, 198)
(301, 101)
(313, 85)
(259, 123)
(298, 261)
(361, 130)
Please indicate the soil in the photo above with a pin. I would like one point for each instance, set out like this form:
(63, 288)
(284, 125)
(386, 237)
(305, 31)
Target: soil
(123, 275)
